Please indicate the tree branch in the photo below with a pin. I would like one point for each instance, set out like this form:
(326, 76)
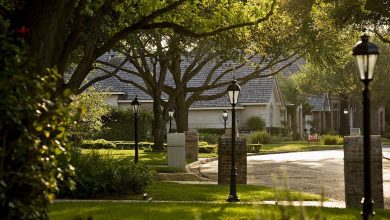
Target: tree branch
(183, 30)
(136, 26)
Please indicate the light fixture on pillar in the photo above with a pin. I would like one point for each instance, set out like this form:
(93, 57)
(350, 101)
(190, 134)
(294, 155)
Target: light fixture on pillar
(366, 54)
(233, 92)
(170, 114)
(136, 108)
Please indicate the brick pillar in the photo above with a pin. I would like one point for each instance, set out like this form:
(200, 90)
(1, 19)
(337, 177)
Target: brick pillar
(224, 160)
(354, 175)
(191, 139)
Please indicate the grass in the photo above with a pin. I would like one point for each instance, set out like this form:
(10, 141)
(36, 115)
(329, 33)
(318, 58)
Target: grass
(174, 210)
(296, 147)
(152, 158)
(212, 192)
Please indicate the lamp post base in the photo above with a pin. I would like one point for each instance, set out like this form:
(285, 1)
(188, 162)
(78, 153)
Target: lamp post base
(232, 198)
(367, 212)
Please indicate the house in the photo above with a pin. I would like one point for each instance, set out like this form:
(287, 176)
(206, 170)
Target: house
(259, 97)
(334, 113)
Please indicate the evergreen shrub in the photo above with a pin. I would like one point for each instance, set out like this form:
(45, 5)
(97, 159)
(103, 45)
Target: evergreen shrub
(104, 175)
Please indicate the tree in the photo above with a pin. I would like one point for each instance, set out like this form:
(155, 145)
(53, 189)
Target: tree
(77, 32)
(91, 107)
(269, 47)
(361, 15)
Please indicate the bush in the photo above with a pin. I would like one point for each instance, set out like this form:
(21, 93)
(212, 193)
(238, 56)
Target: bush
(259, 137)
(118, 125)
(98, 144)
(209, 138)
(219, 131)
(254, 148)
(332, 140)
(34, 118)
(207, 149)
(255, 123)
(98, 175)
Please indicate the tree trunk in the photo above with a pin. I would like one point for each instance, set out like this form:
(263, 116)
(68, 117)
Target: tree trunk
(158, 126)
(181, 114)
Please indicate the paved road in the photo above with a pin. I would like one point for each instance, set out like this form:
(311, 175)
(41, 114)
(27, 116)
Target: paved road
(313, 172)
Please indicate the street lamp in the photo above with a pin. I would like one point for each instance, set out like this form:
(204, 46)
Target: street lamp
(225, 117)
(136, 107)
(170, 114)
(233, 92)
(366, 55)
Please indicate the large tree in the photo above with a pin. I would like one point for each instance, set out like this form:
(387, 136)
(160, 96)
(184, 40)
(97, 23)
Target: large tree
(79, 31)
(211, 61)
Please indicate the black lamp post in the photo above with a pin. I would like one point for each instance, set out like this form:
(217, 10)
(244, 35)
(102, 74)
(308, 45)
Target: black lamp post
(366, 55)
(233, 92)
(225, 117)
(136, 107)
(170, 114)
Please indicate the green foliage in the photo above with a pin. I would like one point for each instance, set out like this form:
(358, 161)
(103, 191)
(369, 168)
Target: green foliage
(91, 106)
(332, 139)
(33, 123)
(97, 144)
(209, 138)
(219, 131)
(98, 175)
(259, 137)
(255, 123)
(254, 148)
(207, 149)
(118, 125)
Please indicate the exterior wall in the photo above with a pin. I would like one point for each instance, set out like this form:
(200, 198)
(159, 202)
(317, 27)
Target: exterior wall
(145, 106)
(112, 100)
(250, 111)
(211, 118)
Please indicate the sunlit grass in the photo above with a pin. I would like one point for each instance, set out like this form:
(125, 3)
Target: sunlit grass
(162, 211)
(296, 147)
(211, 192)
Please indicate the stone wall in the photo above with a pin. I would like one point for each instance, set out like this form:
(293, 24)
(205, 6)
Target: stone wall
(191, 143)
(354, 175)
(224, 160)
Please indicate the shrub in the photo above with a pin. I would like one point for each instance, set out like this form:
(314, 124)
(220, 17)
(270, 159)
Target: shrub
(332, 139)
(254, 148)
(207, 149)
(255, 123)
(209, 138)
(219, 131)
(98, 144)
(118, 125)
(34, 118)
(260, 137)
(98, 175)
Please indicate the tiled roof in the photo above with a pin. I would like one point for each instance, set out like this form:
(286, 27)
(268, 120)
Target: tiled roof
(255, 91)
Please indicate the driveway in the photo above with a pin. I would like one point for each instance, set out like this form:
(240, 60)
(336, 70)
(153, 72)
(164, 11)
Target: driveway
(312, 172)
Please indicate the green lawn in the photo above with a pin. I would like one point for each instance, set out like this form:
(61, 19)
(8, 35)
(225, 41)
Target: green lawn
(212, 192)
(296, 147)
(174, 210)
